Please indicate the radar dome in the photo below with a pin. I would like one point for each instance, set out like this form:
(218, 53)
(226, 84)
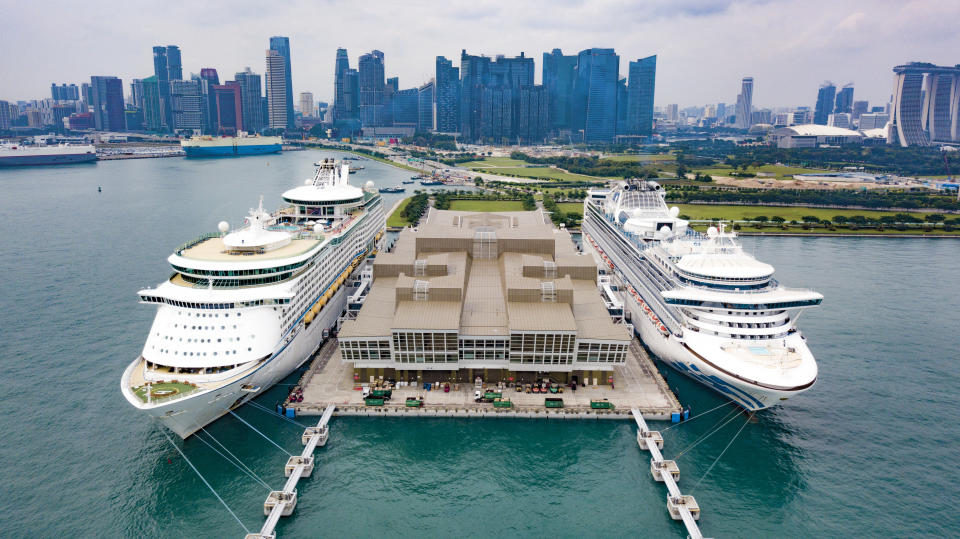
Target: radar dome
(664, 229)
(317, 227)
(369, 185)
(223, 226)
(308, 181)
(674, 211)
(712, 232)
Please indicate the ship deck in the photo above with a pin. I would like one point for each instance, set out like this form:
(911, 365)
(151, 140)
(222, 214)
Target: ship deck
(213, 250)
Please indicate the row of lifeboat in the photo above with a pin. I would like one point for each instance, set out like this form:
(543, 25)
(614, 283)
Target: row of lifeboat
(648, 312)
(342, 278)
(606, 259)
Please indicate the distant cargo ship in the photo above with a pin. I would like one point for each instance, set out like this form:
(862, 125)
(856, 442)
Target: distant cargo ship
(242, 144)
(16, 156)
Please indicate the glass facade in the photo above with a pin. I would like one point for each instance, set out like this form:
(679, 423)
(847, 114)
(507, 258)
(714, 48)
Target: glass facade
(448, 96)
(640, 90)
(595, 94)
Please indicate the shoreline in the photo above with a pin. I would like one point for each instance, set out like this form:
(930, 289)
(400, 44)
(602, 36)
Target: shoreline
(835, 235)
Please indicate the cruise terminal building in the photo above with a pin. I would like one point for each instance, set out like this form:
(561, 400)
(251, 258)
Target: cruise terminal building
(501, 296)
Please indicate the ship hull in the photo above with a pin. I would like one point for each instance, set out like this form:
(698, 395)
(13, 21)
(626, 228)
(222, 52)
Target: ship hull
(187, 415)
(46, 160)
(231, 150)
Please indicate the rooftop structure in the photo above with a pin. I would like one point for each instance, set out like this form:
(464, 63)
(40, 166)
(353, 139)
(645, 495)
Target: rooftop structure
(502, 292)
(813, 135)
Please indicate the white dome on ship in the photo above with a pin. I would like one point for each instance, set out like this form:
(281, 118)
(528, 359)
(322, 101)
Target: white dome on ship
(725, 266)
(333, 193)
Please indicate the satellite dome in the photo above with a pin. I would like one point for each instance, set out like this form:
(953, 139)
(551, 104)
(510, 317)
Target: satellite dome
(223, 226)
(674, 211)
(317, 227)
(712, 232)
(664, 229)
(369, 185)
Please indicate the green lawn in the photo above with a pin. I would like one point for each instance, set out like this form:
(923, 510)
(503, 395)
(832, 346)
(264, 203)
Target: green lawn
(643, 157)
(395, 218)
(488, 162)
(164, 390)
(486, 205)
(782, 173)
(790, 213)
(769, 229)
(571, 207)
(546, 173)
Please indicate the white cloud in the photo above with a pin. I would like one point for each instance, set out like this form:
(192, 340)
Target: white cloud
(704, 47)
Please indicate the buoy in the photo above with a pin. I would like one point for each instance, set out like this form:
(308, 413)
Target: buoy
(99, 189)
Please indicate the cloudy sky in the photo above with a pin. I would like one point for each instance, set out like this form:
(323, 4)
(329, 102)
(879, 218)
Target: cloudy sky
(703, 47)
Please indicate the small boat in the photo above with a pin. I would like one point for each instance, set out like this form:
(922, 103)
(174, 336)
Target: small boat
(431, 182)
(395, 189)
(407, 181)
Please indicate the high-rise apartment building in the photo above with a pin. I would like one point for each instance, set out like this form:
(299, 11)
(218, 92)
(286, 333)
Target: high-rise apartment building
(559, 72)
(844, 101)
(306, 104)
(277, 91)
(673, 112)
(640, 91)
(107, 94)
(447, 117)
(372, 90)
(744, 113)
(136, 94)
(281, 45)
(595, 94)
(64, 92)
(152, 107)
(826, 98)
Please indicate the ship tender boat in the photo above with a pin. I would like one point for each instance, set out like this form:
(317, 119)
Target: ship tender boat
(699, 302)
(244, 309)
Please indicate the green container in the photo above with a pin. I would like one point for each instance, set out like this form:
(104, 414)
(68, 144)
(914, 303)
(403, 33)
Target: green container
(493, 395)
(381, 393)
(502, 404)
(373, 401)
(601, 405)
(414, 403)
(553, 402)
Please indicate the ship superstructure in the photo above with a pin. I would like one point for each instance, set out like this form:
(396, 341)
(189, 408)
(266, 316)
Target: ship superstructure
(243, 309)
(699, 302)
(13, 155)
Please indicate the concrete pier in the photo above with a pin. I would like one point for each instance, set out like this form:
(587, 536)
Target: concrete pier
(281, 503)
(680, 507)
(636, 385)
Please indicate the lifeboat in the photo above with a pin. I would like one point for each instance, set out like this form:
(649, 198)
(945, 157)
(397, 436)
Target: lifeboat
(308, 317)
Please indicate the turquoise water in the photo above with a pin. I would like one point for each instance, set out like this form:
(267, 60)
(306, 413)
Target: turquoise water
(870, 451)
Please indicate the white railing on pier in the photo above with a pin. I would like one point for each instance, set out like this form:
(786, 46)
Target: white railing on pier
(673, 491)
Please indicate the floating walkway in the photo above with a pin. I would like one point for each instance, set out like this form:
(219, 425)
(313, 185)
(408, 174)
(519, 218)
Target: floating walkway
(680, 507)
(281, 503)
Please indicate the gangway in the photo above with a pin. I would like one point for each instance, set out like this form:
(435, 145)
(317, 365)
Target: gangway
(281, 503)
(679, 506)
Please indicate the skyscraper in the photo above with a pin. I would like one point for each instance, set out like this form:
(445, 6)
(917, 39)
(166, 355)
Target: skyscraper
(341, 106)
(640, 92)
(826, 97)
(107, 93)
(250, 96)
(559, 72)
(282, 46)
(166, 67)
(447, 117)
(595, 94)
(474, 74)
(372, 88)
(844, 101)
(278, 91)
(186, 105)
(230, 108)
(306, 104)
(426, 109)
(406, 108)
(490, 94)
(210, 78)
(859, 107)
(136, 94)
(745, 104)
(152, 108)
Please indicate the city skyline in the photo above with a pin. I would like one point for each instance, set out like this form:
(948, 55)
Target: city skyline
(701, 48)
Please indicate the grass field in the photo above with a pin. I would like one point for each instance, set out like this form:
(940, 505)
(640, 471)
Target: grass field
(539, 172)
(486, 205)
(846, 231)
(488, 162)
(790, 213)
(395, 219)
(571, 207)
(782, 173)
(643, 158)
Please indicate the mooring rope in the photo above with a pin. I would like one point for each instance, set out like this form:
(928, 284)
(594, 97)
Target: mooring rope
(260, 433)
(731, 416)
(234, 515)
(716, 460)
(701, 414)
(273, 412)
(241, 466)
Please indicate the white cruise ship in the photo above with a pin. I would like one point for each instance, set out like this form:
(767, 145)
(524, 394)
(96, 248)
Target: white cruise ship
(700, 303)
(244, 309)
